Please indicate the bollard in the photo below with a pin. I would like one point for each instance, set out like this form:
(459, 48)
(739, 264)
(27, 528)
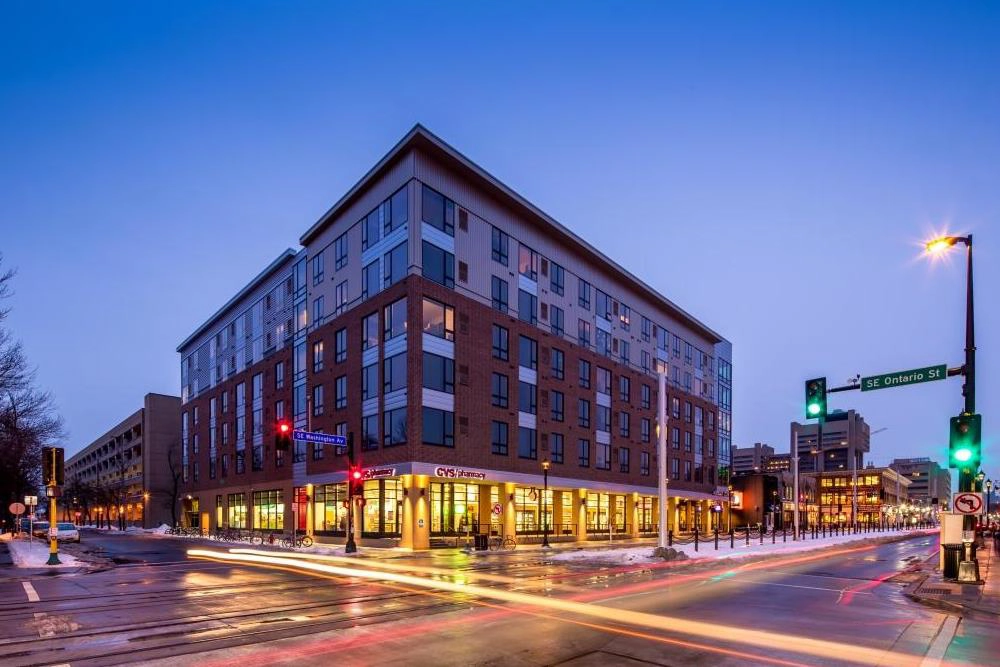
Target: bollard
(670, 537)
(696, 539)
(784, 534)
(747, 531)
(774, 534)
(732, 544)
(762, 531)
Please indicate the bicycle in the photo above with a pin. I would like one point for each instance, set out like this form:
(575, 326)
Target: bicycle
(297, 543)
(498, 543)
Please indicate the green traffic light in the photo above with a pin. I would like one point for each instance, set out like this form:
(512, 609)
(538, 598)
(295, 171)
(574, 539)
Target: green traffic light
(814, 408)
(962, 455)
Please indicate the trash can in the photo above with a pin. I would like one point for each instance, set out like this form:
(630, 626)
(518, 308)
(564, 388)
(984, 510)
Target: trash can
(952, 555)
(482, 542)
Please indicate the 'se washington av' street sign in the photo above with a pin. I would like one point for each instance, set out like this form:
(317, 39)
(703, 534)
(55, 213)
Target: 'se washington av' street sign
(900, 378)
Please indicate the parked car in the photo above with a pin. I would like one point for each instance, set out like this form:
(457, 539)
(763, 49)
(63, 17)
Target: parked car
(40, 529)
(67, 532)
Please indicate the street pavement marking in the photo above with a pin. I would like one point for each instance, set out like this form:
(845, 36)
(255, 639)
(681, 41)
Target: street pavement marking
(940, 644)
(30, 591)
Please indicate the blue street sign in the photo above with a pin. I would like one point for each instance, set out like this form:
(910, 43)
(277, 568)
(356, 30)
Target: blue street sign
(322, 438)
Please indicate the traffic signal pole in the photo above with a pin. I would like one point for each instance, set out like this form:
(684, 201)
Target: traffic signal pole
(966, 475)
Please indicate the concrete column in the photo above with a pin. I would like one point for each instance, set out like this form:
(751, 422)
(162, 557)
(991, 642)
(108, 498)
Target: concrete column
(706, 515)
(415, 531)
(310, 505)
(672, 512)
(555, 527)
(580, 514)
(632, 514)
(509, 510)
(485, 508)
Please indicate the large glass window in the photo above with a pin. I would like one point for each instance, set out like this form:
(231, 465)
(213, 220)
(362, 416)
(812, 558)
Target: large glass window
(439, 373)
(439, 319)
(498, 292)
(369, 432)
(527, 307)
(340, 252)
(454, 508)
(583, 294)
(557, 279)
(603, 461)
(394, 373)
(583, 413)
(369, 331)
(329, 512)
(369, 382)
(501, 346)
(556, 447)
(439, 427)
(583, 333)
(527, 447)
(558, 364)
(394, 427)
(527, 262)
(438, 211)
(237, 510)
(557, 320)
(603, 381)
(395, 264)
(439, 265)
(528, 352)
(371, 230)
(268, 510)
(583, 451)
(340, 391)
(317, 268)
(500, 391)
(394, 317)
(499, 438)
(340, 345)
(584, 374)
(371, 279)
(501, 242)
(527, 398)
(558, 400)
(398, 210)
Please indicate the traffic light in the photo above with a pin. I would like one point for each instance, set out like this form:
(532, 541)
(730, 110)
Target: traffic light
(816, 398)
(965, 442)
(356, 479)
(52, 466)
(282, 436)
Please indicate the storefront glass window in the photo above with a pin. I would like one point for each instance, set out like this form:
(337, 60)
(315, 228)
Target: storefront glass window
(237, 510)
(268, 510)
(329, 513)
(454, 507)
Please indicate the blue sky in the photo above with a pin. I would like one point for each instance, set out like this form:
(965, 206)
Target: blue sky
(770, 167)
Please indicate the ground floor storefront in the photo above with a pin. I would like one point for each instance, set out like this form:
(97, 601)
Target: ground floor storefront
(418, 506)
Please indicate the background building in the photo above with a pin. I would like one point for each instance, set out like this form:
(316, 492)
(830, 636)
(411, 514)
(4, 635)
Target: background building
(751, 459)
(465, 338)
(880, 494)
(124, 475)
(846, 440)
(928, 480)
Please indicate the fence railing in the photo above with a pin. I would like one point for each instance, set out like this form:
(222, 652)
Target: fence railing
(760, 534)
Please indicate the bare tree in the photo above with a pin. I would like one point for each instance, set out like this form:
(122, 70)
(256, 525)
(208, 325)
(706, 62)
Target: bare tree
(174, 466)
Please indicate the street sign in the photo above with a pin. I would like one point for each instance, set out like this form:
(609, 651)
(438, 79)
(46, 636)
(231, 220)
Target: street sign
(31, 501)
(900, 378)
(497, 509)
(969, 503)
(321, 438)
(16, 508)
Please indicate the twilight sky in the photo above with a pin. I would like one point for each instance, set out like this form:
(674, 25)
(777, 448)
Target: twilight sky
(771, 168)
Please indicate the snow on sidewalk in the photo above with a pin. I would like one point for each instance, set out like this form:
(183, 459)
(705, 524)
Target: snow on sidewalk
(706, 549)
(36, 554)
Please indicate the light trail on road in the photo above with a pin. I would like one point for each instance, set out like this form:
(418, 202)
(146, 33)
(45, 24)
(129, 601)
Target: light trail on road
(758, 638)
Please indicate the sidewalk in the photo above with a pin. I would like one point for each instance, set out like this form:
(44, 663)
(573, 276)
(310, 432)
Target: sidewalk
(934, 591)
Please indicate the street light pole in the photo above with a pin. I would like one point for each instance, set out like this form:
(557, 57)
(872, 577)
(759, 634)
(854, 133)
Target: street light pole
(661, 450)
(545, 504)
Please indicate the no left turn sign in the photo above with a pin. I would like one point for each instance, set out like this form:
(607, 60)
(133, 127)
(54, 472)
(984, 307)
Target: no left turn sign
(969, 503)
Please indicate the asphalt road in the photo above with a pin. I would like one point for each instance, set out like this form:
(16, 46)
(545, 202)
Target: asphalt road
(160, 607)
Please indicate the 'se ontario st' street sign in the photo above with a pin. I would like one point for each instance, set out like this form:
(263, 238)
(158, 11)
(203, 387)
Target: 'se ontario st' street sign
(900, 378)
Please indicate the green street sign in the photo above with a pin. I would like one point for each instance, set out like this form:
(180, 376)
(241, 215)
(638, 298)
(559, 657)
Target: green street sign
(900, 378)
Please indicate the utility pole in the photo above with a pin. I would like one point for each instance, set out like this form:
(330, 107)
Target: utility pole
(795, 478)
(661, 450)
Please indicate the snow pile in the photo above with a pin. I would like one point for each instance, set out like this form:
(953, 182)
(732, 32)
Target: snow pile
(706, 549)
(160, 530)
(36, 554)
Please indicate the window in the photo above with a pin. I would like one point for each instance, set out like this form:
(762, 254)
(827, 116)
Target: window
(687, 382)
(583, 333)
(317, 310)
(583, 294)
(644, 464)
(558, 405)
(439, 427)
(675, 408)
(439, 319)
(603, 461)
(527, 355)
(675, 438)
(527, 448)
(371, 279)
(500, 391)
(317, 268)
(557, 320)
(711, 417)
(498, 291)
(369, 382)
(340, 344)
(604, 418)
(675, 470)
(369, 432)
(527, 262)
(585, 374)
(340, 252)
(371, 230)
(317, 400)
(317, 356)
(438, 211)
(395, 264)
(687, 411)
(583, 413)
(603, 381)
(557, 279)
(394, 319)
(225, 395)
(500, 244)
(645, 397)
(558, 364)
(602, 342)
(688, 352)
(398, 210)
(439, 265)
(687, 441)
(644, 360)
(341, 392)
(394, 427)
(603, 305)
(623, 354)
(499, 435)
(711, 447)
(687, 471)
(699, 445)
(527, 307)
(394, 373)
(625, 317)
(624, 426)
(647, 329)
(623, 459)
(677, 346)
(369, 331)
(699, 416)
(340, 296)
(439, 373)
(501, 349)
(583, 449)
(527, 398)
(644, 427)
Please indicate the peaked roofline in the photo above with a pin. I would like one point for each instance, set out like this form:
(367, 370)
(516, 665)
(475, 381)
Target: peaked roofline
(249, 287)
(420, 137)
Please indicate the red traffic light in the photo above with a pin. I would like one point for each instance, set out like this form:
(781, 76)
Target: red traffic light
(356, 474)
(284, 427)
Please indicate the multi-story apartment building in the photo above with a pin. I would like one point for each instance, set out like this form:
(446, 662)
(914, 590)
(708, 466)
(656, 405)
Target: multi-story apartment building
(880, 493)
(751, 459)
(846, 440)
(126, 472)
(778, 463)
(928, 480)
(465, 338)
